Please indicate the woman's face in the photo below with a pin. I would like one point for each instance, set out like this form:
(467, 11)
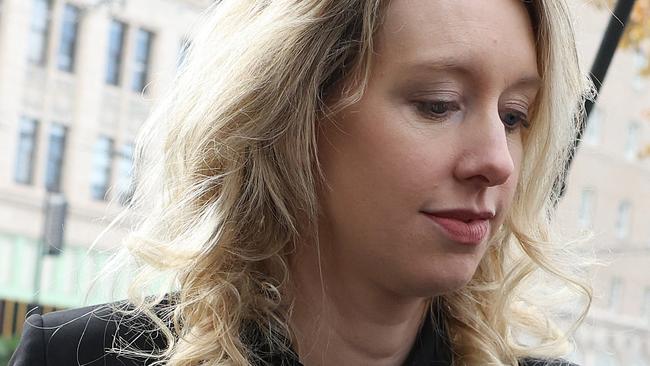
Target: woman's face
(421, 172)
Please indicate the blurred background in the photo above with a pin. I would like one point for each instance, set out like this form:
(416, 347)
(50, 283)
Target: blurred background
(78, 77)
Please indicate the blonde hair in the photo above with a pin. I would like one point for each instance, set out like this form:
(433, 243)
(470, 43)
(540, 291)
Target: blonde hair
(227, 169)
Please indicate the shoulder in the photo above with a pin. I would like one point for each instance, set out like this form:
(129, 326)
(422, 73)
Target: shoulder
(544, 362)
(85, 336)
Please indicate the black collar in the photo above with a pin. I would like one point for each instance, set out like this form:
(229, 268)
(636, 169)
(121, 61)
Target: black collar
(431, 347)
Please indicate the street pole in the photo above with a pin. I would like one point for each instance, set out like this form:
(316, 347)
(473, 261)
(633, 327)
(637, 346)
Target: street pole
(51, 241)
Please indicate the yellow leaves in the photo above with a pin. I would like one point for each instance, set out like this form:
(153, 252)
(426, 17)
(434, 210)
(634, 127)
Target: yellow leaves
(646, 114)
(637, 33)
(645, 152)
(636, 38)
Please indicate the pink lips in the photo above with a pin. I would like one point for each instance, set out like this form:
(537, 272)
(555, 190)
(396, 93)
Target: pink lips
(470, 233)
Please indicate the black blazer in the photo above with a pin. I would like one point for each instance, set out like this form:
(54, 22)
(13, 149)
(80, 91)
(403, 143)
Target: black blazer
(83, 336)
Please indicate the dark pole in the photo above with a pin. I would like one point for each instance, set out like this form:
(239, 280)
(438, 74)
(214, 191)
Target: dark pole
(608, 46)
(55, 210)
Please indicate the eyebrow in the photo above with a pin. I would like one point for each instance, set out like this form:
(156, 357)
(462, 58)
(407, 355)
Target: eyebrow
(532, 81)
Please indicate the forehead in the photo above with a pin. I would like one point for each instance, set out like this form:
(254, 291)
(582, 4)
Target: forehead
(482, 36)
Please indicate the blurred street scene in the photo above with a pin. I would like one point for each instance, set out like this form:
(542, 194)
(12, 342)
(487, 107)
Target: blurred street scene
(608, 192)
(78, 78)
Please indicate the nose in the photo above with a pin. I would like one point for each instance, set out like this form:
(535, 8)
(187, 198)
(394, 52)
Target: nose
(486, 159)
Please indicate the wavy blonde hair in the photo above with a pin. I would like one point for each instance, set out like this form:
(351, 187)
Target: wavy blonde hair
(227, 168)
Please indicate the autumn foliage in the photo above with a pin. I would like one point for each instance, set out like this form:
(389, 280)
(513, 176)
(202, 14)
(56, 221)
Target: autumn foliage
(637, 38)
(637, 33)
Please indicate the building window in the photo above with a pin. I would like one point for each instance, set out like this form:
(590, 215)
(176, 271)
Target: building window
(616, 294)
(125, 179)
(576, 356)
(640, 63)
(25, 155)
(645, 306)
(605, 358)
(143, 41)
(592, 132)
(1, 3)
(68, 42)
(585, 215)
(55, 151)
(38, 33)
(632, 142)
(623, 219)
(101, 170)
(8, 262)
(182, 52)
(115, 51)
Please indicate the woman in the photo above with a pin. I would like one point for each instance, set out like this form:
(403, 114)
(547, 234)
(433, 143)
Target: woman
(347, 182)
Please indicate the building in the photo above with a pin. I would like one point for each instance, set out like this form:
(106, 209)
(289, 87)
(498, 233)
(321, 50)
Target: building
(76, 81)
(608, 193)
(77, 78)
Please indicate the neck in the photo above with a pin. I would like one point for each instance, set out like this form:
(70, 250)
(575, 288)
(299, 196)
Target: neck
(341, 319)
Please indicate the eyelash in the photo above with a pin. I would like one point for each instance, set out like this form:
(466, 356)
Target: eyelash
(425, 108)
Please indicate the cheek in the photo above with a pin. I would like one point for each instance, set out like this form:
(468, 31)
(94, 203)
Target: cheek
(383, 165)
(509, 189)
(516, 148)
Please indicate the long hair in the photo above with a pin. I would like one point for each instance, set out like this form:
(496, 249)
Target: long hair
(226, 173)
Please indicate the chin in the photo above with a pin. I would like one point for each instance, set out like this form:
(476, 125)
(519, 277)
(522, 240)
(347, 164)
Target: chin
(449, 278)
(456, 283)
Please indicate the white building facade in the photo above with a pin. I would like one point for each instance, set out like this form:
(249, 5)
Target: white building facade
(77, 78)
(76, 81)
(609, 194)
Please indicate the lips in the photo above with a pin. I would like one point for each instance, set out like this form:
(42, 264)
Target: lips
(462, 226)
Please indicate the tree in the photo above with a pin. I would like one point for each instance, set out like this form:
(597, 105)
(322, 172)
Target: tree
(637, 33)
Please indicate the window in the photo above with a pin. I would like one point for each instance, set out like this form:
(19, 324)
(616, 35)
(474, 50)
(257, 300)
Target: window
(68, 38)
(8, 263)
(1, 3)
(586, 208)
(143, 40)
(115, 51)
(645, 305)
(615, 294)
(38, 33)
(55, 150)
(101, 170)
(623, 220)
(25, 155)
(576, 356)
(592, 132)
(632, 142)
(640, 63)
(606, 359)
(125, 179)
(182, 52)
